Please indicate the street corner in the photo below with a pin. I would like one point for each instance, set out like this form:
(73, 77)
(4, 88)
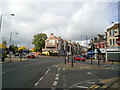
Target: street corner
(110, 83)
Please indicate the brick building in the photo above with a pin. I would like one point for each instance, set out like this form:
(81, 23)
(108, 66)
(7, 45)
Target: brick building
(59, 45)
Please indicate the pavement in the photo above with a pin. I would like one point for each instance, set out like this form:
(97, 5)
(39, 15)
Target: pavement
(14, 60)
(18, 59)
(87, 65)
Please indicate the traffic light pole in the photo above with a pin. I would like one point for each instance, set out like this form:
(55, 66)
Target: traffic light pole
(92, 46)
(65, 57)
(72, 55)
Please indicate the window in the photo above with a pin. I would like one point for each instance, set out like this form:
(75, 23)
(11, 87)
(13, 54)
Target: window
(109, 33)
(110, 41)
(112, 32)
(113, 41)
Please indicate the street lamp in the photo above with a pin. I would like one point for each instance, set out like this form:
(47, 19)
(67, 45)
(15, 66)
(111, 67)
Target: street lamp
(85, 38)
(1, 17)
(10, 47)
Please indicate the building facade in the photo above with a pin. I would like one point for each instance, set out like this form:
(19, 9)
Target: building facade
(113, 50)
(58, 45)
(112, 32)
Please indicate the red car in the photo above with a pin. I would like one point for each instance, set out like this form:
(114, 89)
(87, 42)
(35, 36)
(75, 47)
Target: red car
(30, 56)
(83, 59)
(78, 58)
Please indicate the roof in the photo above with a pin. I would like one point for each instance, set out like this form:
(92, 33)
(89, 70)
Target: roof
(115, 26)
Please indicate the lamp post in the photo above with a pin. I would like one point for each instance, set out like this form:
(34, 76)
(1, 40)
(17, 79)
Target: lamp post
(85, 39)
(1, 17)
(10, 48)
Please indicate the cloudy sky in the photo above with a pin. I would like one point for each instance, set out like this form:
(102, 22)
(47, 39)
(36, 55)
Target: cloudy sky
(69, 20)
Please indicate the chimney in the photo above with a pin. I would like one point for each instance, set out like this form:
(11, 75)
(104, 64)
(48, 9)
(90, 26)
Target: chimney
(51, 35)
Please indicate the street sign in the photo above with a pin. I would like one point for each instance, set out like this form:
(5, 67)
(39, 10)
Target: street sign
(118, 41)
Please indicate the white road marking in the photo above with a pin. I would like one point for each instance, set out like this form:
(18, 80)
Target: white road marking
(56, 78)
(57, 75)
(81, 87)
(83, 81)
(40, 78)
(53, 66)
(89, 73)
(47, 71)
(90, 82)
(55, 83)
(58, 69)
(36, 84)
(112, 68)
(64, 69)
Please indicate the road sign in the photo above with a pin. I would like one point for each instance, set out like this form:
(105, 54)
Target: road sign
(118, 41)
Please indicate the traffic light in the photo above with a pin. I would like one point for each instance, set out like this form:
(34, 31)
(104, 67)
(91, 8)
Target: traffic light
(92, 46)
(98, 50)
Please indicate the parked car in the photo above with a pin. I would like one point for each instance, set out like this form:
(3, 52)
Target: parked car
(78, 58)
(31, 56)
(83, 59)
(16, 54)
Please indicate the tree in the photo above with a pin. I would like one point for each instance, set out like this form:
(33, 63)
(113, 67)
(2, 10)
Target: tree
(32, 50)
(3, 45)
(22, 48)
(39, 41)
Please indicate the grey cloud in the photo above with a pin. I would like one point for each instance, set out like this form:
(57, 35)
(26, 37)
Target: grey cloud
(68, 20)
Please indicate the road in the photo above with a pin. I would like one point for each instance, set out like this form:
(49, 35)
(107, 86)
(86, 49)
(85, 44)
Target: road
(44, 72)
(26, 74)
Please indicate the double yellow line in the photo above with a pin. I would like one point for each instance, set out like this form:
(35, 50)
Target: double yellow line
(102, 84)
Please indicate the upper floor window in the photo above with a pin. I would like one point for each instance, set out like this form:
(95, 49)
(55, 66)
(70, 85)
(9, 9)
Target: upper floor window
(112, 32)
(109, 33)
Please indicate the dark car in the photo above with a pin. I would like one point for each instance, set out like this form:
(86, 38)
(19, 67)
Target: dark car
(31, 56)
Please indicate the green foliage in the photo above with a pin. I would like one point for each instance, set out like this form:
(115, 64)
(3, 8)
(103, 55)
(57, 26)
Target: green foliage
(14, 47)
(39, 41)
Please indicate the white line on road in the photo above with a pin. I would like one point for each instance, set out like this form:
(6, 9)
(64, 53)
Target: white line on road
(56, 78)
(81, 87)
(58, 69)
(89, 73)
(47, 71)
(40, 78)
(53, 66)
(55, 83)
(36, 84)
(64, 69)
(57, 75)
(90, 82)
